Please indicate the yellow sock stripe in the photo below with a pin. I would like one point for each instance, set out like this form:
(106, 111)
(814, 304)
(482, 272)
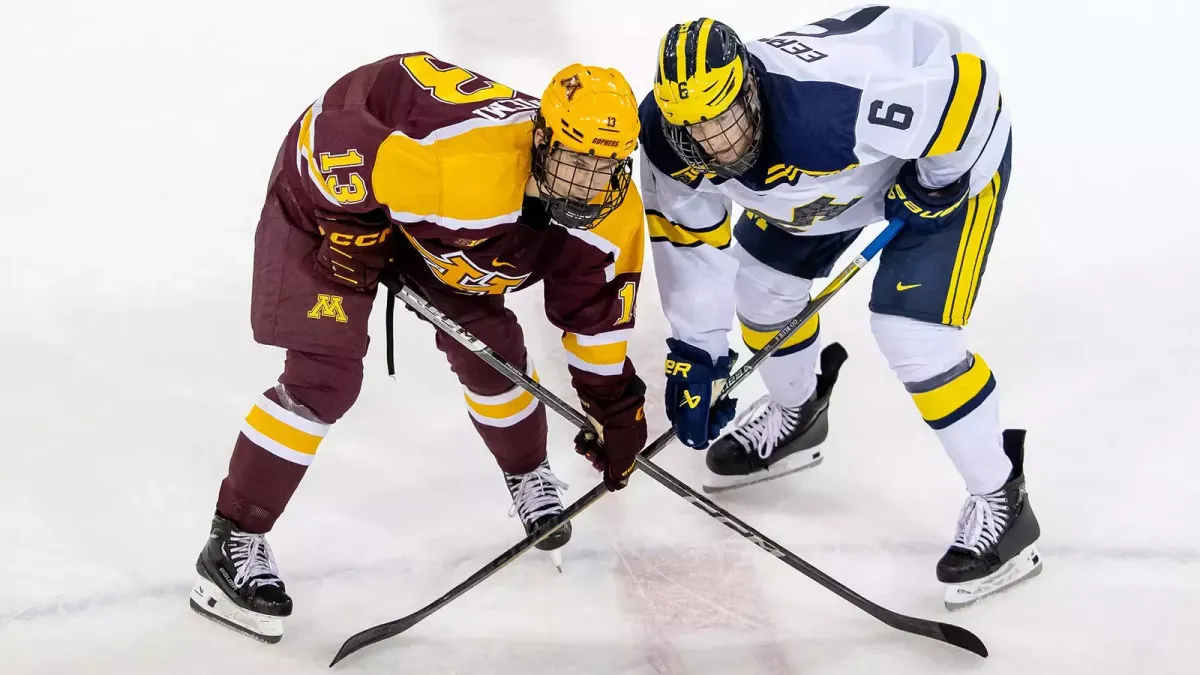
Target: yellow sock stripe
(662, 229)
(603, 359)
(501, 410)
(965, 95)
(994, 205)
(281, 433)
(948, 403)
(489, 409)
(757, 339)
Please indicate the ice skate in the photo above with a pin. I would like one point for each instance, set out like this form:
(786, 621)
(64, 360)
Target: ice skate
(239, 584)
(537, 499)
(995, 546)
(770, 441)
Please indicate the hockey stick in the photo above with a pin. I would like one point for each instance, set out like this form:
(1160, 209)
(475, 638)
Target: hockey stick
(944, 632)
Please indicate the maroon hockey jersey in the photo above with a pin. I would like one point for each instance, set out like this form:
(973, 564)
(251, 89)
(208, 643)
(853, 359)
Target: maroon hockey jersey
(441, 155)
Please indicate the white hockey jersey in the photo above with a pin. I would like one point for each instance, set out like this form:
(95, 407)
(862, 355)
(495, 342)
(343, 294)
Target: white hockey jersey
(846, 101)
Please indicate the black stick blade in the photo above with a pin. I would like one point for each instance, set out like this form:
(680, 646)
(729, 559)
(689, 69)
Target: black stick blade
(372, 635)
(963, 638)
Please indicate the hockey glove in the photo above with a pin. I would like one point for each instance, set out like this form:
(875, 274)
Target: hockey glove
(353, 253)
(619, 434)
(921, 208)
(693, 382)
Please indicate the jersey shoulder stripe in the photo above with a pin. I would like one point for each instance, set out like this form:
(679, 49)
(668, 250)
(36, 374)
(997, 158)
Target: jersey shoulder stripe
(966, 93)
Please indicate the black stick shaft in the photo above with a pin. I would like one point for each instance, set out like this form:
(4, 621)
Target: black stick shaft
(518, 376)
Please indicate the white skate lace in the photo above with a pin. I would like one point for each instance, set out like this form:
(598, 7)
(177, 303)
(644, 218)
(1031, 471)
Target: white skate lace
(537, 494)
(255, 563)
(763, 424)
(983, 519)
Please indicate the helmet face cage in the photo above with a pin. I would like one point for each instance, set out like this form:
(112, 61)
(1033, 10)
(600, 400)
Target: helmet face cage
(743, 117)
(578, 194)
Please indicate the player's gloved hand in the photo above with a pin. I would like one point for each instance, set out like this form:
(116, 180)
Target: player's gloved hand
(921, 208)
(693, 381)
(353, 253)
(619, 433)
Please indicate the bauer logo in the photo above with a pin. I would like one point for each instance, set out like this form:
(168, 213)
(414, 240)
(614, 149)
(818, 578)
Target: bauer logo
(328, 306)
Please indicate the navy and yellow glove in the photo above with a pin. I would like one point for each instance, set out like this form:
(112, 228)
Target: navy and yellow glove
(693, 382)
(921, 208)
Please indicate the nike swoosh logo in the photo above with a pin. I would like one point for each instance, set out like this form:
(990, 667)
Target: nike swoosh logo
(901, 287)
(496, 263)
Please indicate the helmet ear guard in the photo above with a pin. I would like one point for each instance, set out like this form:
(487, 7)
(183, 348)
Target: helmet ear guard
(588, 127)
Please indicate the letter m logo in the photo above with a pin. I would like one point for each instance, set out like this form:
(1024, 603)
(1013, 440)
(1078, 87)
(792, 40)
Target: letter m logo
(328, 306)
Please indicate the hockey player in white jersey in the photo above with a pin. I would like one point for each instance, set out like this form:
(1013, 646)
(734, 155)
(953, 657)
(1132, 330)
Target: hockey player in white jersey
(878, 112)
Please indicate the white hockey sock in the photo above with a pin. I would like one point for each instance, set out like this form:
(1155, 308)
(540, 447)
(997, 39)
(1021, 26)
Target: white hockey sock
(792, 378)
(954, 391)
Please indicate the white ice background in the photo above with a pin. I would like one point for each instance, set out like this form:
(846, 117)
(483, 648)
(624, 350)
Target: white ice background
(135, 142)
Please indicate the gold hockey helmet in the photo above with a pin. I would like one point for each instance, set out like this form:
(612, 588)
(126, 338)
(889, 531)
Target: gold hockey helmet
(583, 159)
(707, 93)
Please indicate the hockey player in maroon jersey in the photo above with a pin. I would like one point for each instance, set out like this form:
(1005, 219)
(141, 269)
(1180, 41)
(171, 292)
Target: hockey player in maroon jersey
(464, 189)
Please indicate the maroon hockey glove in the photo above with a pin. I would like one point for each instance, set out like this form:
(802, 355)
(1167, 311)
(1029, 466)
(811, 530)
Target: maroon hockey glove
(619, 436)
(353, 253)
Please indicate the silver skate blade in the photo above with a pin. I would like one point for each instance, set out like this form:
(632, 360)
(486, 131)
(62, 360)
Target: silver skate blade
(1025, 566)
(798, 462)
(556, 558)
(209, 601)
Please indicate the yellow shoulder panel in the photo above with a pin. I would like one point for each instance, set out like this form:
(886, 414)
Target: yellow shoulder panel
(469, 175)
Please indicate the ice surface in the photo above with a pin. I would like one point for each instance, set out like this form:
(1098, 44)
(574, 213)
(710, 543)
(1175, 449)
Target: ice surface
(136, 139)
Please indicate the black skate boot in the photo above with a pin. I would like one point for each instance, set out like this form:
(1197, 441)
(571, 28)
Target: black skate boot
(537, 499)
(995, 546)
(772, 441)
(239, 585)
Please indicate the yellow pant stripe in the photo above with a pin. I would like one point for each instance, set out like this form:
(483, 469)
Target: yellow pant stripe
(960, 109)
(968, 261)
(993, 205)
(942, 403)
(281, 432)
(757, 339)
(662, 229)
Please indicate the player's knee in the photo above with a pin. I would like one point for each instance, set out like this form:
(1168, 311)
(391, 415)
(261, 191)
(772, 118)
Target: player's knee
(326, 386)
(917, 350)
(945, 380)
(503, 335)
(767, 300)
